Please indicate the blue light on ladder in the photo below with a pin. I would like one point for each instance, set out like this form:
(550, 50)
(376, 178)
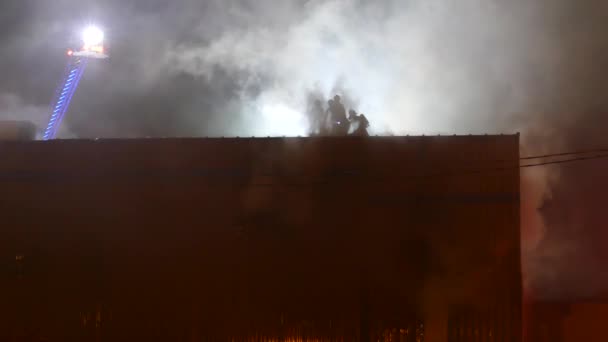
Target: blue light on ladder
(64, 97)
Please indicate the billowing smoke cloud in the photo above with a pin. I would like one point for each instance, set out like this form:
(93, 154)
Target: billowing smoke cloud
(244, 67)
(417, 67)
(249, 67)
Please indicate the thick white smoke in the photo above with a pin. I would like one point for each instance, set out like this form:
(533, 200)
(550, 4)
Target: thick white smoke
(418, 67)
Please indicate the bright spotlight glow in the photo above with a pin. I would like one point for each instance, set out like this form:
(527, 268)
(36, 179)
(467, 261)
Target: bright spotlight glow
(92, 35)
(280, 120)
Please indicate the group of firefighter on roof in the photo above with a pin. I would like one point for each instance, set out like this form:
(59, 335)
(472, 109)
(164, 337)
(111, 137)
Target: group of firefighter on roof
(334, 122)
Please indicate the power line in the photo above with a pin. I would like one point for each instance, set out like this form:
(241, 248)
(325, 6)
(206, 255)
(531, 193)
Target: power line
(507, 168)
(524, 166)
(563, 154)
(485, 170)
(572, 160)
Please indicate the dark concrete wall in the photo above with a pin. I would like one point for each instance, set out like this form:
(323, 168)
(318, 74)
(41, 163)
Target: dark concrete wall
(200, 239)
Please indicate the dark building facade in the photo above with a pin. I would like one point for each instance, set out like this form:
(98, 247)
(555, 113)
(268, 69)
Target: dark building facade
(291, 239)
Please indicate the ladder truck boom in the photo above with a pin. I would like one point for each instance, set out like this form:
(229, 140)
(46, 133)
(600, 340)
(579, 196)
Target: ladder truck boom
(92, 48)
(63, 95)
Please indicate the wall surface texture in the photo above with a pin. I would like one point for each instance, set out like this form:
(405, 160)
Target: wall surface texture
(396, 238)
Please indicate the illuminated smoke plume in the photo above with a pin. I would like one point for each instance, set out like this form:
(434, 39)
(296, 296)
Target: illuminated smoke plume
(420, 67)
(245, 67)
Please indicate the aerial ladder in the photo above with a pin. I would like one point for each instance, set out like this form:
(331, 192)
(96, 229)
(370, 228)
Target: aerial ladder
(93, 48)
(64, 94)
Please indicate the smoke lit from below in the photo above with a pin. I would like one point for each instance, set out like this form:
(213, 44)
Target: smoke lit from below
(417, 71)
(281, 120)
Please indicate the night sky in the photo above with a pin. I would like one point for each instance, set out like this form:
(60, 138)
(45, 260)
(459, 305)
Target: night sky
(250, 67)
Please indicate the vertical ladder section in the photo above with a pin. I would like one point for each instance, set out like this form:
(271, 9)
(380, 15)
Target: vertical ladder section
(63, 95)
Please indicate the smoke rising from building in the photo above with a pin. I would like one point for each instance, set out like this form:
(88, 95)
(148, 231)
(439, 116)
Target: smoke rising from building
(245, 67)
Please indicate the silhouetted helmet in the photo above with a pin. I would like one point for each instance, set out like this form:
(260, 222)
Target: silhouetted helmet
(337, 98)
(364, 120)
(352, 114)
